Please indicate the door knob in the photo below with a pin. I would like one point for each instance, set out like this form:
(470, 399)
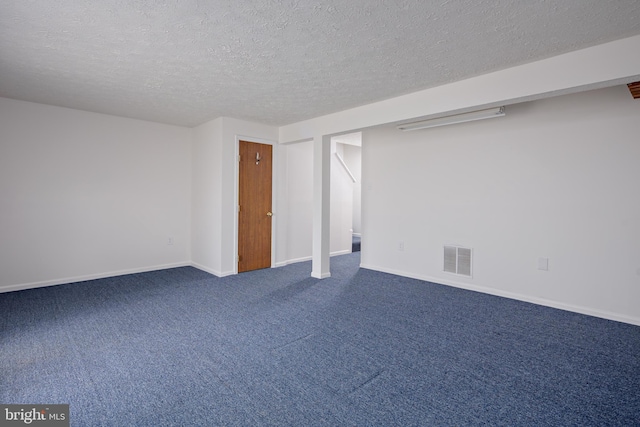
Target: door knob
(269, 214)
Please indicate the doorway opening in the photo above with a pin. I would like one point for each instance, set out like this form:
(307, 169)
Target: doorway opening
(346, 192)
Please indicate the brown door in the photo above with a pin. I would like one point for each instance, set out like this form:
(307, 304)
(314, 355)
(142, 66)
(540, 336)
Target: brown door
(254, 215)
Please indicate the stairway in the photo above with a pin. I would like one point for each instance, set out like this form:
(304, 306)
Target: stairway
(355, 244)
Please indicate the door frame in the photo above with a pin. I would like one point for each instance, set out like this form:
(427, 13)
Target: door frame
(275, 207)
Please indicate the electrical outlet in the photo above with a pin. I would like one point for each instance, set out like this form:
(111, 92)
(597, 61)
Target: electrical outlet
(543, 264)
(401, 246)
(170, 241)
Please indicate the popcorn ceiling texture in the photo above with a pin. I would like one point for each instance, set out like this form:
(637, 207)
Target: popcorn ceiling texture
(277, 62)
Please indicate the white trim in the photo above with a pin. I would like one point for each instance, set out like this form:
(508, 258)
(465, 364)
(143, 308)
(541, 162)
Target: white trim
(211, 270)
(321, 275)
(293, 261)
(511, 295)
(75, 279)
(357, 234)
(309, 258)
(338, 253)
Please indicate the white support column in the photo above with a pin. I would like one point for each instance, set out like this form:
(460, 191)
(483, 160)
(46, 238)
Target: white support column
(321, 207)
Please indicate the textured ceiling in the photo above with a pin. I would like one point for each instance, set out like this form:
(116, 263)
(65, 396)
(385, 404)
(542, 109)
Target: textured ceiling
(277, 61)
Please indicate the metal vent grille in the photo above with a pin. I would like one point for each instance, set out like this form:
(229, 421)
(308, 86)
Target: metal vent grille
(450, 259)
(457, 260)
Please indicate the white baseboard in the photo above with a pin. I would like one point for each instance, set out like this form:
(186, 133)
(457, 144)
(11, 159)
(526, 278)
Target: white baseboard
(292, 261)
(512, 295)
(74, 279)
(206, 269)
(338, 253)
(276, 265)
(308, 258)
(320, 276)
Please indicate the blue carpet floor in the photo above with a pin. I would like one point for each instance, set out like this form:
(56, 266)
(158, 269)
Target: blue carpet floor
(275, 347)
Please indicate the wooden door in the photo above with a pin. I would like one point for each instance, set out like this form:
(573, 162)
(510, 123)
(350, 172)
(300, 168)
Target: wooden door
(254, 212)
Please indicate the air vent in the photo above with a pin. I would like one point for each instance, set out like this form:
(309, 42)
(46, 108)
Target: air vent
(635, 89)
(457, 260)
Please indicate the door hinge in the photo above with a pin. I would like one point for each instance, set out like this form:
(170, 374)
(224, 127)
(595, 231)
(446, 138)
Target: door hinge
(238, 258)
(239, 158)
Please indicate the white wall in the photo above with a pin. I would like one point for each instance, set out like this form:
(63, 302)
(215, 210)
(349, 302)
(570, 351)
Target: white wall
(296, 182)
(206, 230)
(299, 225)
(341, 203)
(86, 195)
(353, 159)
(555, 178)
(215, 195)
